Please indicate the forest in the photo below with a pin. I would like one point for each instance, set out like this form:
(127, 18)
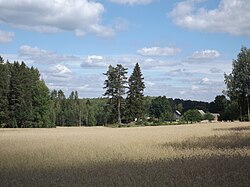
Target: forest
(26, 101)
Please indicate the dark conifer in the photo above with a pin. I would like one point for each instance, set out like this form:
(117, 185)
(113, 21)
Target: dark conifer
(115, 86)
(134, 101)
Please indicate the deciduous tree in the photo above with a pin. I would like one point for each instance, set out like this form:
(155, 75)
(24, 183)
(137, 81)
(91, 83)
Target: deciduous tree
(160, 108)
(192, 115)
(238, 82)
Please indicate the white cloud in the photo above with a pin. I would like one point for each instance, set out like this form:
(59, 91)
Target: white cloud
(67, 78)
(105, 61)
(35, 55)
(80, 16)
(94, 61)
(125, 60)
(132, 2)
(61, 69)
(158, 51)
(57, 73)
(6, 36)
(42, 56)
(205, 55)
(231, 16)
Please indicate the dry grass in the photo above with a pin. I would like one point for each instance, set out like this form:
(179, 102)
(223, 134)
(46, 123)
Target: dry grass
(215, 154)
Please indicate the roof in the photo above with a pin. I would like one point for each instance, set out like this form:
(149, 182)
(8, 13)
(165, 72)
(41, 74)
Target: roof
(178, 113)
(201, 112)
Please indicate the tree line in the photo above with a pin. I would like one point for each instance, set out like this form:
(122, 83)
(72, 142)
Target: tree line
(26, 101)
(24, 98)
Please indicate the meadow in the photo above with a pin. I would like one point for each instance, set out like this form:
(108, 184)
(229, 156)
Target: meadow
(211, 154)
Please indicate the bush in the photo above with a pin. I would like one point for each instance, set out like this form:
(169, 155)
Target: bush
(192, 116)
(208, 116)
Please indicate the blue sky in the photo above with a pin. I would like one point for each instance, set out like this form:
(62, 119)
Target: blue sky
(184, 47)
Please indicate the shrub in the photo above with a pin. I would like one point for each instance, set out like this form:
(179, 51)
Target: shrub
(208, 116)
(192, 116)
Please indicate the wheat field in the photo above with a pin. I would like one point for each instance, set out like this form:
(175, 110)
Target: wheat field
(211, 154)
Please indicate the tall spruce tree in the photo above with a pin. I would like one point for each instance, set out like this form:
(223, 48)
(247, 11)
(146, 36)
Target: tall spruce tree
(15, 96)
(42, 105)
(115, 86)
(134, 101)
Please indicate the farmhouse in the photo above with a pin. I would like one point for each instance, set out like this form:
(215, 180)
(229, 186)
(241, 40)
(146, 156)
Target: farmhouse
(177, 115)
(216, 116)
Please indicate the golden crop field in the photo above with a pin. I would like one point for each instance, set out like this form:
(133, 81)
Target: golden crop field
(211, 154)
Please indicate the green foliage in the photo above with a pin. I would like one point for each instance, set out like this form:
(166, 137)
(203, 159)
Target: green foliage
(115, 86)
(24, 98)
(179, 107)
(160, 108)
(4, 89)
(134, 101)
(208, 116)
(90, 117)
(42, 106)
(238, 82)
(185, 105)
(219, 104)
(231, 112)
(72, 110)
(192, 116)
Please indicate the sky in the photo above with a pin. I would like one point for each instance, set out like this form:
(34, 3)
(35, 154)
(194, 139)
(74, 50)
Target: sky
(184, 47)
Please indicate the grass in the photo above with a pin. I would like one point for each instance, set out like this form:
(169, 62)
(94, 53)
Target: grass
(213, 154)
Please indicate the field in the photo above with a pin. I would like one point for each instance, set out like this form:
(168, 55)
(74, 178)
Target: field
(212, 154)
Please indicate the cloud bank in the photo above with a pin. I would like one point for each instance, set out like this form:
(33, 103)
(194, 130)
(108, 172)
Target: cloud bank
(132, 2)
(203, 56)
(158, 51)
(80, 16)
(231, 16)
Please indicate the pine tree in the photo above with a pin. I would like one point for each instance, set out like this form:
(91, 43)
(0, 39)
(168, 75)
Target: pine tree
(24, 98)
(61, 113)
(4, 89)
(134, 101)
(22, 81)
(42, 105)
(90, 118)
(72, 109)
(115, 86)
(14, 95)
(28, 78)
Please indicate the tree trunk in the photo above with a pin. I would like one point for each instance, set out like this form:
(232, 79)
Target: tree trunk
(119, 112)
(80, 119)
(248, 109)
